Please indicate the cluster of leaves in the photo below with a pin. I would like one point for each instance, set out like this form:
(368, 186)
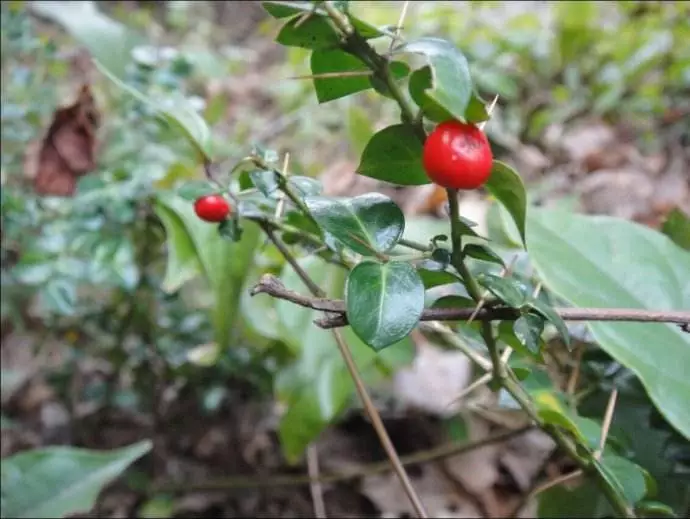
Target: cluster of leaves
(567, 60)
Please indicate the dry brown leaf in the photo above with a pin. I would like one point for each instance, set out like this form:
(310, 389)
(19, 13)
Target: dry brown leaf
(68, 149)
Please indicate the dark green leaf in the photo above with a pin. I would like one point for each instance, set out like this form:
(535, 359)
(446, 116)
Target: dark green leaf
(482, 252)
(509, 290)
(677, 227)
(550, 314)
(196, 189)
(584, 501)
(384, 301)
(507, 187)
(394, 155)
(367, 224)
(454, 301)
(314, 33)
(434, 277)
(528, 329)
(286, 9)
(265, 181)
(279, 9)
(420, 81)
(305, 186)
(452, 84)
(61, 481)
(334, 61)
(626, 475)
(441, 256)
(230, 229)
(507, 335)
(476, 110)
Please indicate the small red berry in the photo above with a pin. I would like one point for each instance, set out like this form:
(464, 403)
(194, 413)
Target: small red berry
(457, 155)
(212, 208)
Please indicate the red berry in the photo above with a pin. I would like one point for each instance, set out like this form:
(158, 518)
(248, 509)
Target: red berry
(457, 155)
(212, 208)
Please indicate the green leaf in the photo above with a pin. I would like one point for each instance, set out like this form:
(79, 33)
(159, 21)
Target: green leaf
(528, 329)
(421, 80)
(452, 84)
(265, 181)
(626, 476)
(183, 262)
(230, 229)
(280, 9)
(177, 112)
(394, 155)
(506, 186)
(481, 252)
(195, 189)
(509, 290)
(677, 227)
(108, 41)
(334, 61)
(60, 481)
(384, 301)
(550, 314)
(434, 277)
(317, 387)
(585, 501)
(476, 110)
(305, 186)
(223, 264)
(313, 33)
(617, 264)
(654, 509)
(367, 224)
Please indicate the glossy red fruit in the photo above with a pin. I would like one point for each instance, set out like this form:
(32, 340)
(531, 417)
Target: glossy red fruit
(212, 208)
(457, 155)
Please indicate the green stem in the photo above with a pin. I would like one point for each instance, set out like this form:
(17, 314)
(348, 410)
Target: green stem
(414, 245)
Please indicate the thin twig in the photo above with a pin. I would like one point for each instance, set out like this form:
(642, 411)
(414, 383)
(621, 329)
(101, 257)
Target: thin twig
(440, 452)
(315, 485)
(488, 112)
(398, 27)
(606, 422)
(379, 427)
(327, 75)
(281, 200)
(367, 403)
(553, 483)
(575, 374)
(271, 285)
